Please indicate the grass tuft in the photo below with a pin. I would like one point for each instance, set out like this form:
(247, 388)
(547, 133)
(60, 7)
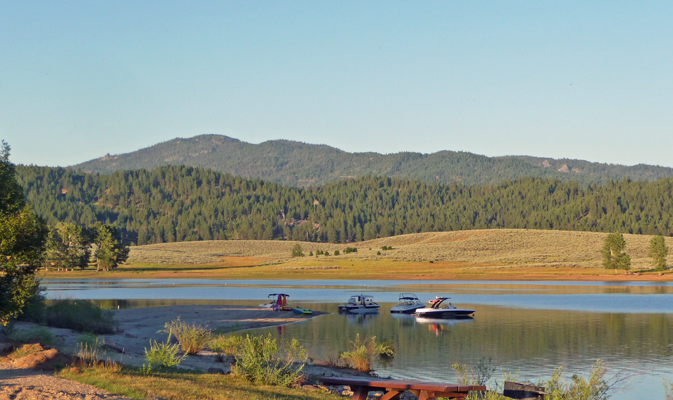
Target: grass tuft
(364, 352)
(225, 345)
(163, 355)
(192, 337)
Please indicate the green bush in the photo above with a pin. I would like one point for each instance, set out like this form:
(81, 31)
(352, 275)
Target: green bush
(36, 334)
(477, 375)
(80, 316)
(163, 354)
(349, 250)
(258, 361)
(34, 308)
(378, 253)
(192, 337)
(364, 353)
(578, 388)
(225, 345)
(336, 252)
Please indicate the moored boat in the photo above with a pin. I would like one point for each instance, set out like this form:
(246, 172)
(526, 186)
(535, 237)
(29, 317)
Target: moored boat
(439, 309)
(408, 303)
(302, 311)
(278, 302)
(360, 304)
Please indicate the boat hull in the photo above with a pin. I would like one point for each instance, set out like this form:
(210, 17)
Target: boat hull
(405, 309)
(360, 310)
(443, 313)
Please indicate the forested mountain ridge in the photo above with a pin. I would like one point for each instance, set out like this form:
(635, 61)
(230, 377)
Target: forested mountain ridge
(178, 203)
(300, 164)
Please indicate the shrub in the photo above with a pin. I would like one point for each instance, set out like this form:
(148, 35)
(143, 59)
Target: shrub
(327, 253)
(349, 250)
(192, 337)
(35, 307)
(378, 253)
(164, 354)
(579, 388)
(225, 346)
(297, 251)
(35, 334)
(81, 316)
(477, 375)
(310, 253)
(336, 252)
(258, 361)
(364, 353)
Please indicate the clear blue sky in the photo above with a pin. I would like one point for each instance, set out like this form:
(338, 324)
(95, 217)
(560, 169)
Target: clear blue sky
(588, 80)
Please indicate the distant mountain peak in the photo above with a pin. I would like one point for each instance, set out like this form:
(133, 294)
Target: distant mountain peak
(303, 164)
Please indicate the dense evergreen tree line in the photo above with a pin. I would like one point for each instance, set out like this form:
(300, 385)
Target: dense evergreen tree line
(177, 203)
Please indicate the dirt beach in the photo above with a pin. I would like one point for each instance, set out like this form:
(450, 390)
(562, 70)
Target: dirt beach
(136, 328)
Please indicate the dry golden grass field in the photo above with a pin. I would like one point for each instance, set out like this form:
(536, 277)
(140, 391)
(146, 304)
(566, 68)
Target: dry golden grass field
(478, 254)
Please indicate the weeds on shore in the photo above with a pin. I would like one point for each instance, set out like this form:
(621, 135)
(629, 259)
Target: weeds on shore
(192, 337)
(474, 375)
(89, 347)
(225, 345)
(163, 355)
(595, 387)
(364, 352)
(259, 361)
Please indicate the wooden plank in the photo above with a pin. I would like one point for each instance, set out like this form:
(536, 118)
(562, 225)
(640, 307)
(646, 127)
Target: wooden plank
(406, 385)
(359, 392)
(391, 395)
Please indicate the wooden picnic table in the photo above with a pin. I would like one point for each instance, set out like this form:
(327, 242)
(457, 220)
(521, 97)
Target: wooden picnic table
(394, 388)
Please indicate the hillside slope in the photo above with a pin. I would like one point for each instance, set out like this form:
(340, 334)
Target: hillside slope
(300, 164)
(489, 250)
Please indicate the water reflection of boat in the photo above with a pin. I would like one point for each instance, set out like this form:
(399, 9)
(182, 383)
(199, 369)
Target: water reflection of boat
(439, 309)
(360, 304)
(408, 303)
(362, 319)
(438, 326)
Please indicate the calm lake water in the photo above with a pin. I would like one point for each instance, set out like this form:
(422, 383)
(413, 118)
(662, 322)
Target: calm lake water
(529, 328)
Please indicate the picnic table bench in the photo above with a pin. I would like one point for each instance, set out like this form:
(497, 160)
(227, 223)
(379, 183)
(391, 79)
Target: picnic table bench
(394, 388)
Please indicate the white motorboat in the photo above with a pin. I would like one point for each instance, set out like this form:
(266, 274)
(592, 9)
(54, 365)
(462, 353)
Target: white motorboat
(439, 309)
(360, 304)
(408, 304)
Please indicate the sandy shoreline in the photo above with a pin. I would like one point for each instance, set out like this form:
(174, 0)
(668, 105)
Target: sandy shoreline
(137, 326)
